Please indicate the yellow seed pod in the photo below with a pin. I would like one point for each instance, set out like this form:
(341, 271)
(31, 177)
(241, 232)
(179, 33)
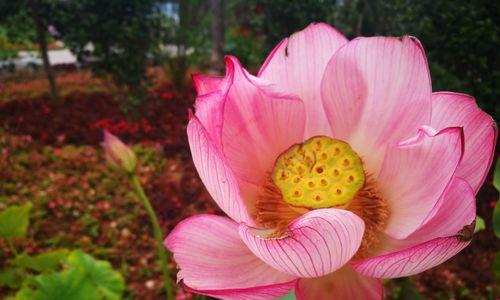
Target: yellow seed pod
(321, 172)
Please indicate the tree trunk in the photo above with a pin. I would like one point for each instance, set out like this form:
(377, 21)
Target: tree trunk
(40, 36)
(217, 55)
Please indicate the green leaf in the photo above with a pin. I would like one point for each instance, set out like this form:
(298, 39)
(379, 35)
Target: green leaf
(409, 291)
(479, 224)
(14, 221)
(496, 266)
(85, 278)
(496, 219)
(42, 262)
(496, 176)
(71, 284)
(289, 296)
(11, 277)
(108, 282)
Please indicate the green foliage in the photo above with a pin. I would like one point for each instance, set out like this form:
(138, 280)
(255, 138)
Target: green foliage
(123, 35)
(83, 277)
(14, 221)
(59, 286)
(244, 44)
(20, 30)
(17, 31)
(410, 292)
(496, 219)
(11, 277)
(189, 36)
(108, 282)
(461, 37)
(289, 296)
(480, 225)
(406, 290)
(6, 48)
(99, 218)
(496, 176)
(41, 263)
(281, 18)
(496, 266)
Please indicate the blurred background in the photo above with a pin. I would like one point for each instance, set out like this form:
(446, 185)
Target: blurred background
(69, 69)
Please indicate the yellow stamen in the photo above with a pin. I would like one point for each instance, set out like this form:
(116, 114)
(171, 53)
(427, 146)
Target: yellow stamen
(321, 172)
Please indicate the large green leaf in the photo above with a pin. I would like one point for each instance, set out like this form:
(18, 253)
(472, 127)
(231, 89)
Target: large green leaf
(11, 277)
(108, 282)
(83, 278)
(14, 221)
(71, 284)
(42, 262)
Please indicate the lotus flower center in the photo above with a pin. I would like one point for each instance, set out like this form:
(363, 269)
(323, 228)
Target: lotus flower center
(321, 172)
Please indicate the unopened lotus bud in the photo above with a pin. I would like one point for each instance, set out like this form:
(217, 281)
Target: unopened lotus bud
(118, 154)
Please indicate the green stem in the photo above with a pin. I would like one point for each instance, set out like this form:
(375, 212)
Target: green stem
(162, 253)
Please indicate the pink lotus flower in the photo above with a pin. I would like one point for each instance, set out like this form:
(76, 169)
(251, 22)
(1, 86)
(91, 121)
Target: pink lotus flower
(337, 166)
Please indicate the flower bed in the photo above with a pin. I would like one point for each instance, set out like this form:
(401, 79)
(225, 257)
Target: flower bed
(52, 157)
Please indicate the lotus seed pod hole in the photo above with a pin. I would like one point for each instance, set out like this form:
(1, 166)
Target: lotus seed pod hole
(321, 172)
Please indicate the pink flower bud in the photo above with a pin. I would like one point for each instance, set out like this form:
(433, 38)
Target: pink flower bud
(118, 154)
